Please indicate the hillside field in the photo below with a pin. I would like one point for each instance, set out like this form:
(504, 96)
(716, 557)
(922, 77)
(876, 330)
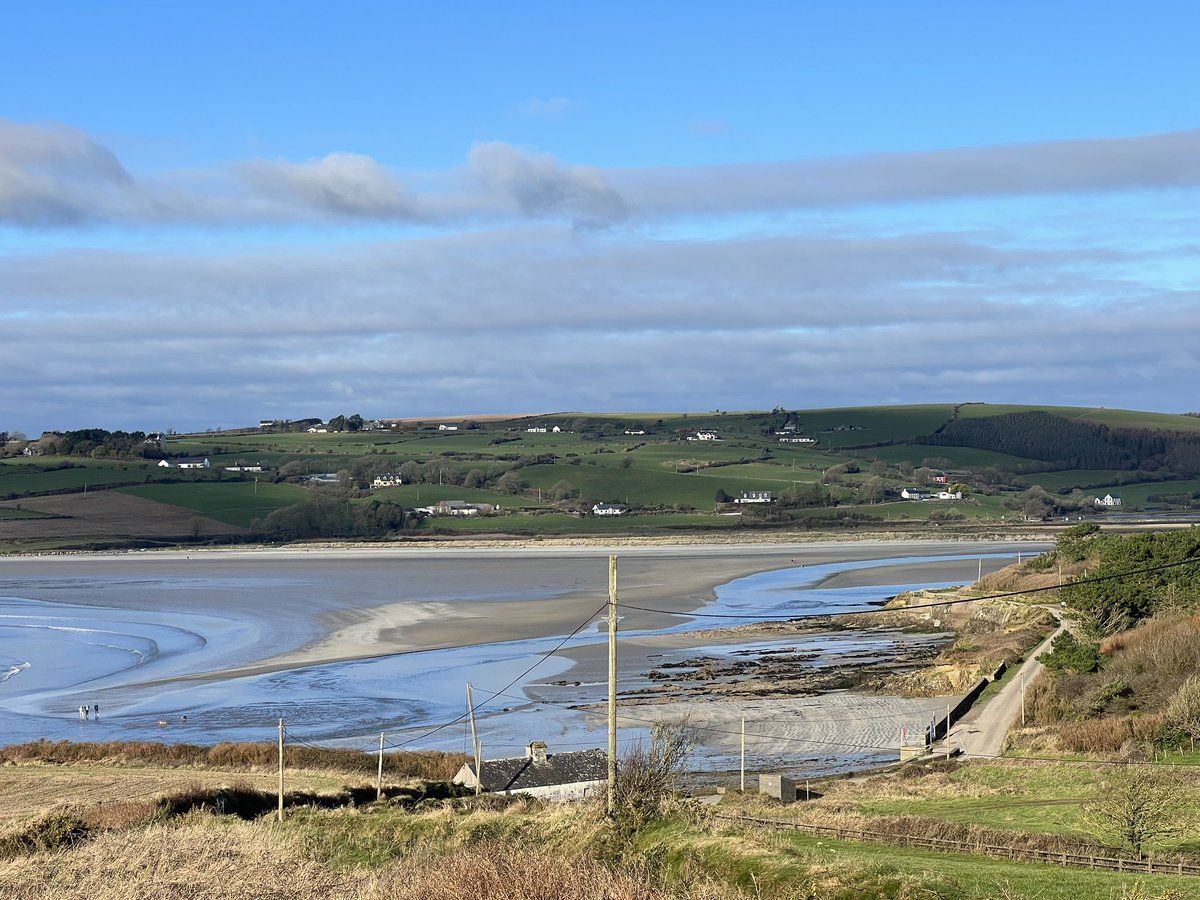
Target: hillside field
(821, 467)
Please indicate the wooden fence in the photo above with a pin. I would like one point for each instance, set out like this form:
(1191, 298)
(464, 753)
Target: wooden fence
(946, 845)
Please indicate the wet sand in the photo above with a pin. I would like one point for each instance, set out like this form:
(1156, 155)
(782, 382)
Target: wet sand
(675, 578)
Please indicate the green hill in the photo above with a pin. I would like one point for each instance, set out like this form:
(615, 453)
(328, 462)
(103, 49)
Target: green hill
(822, 468)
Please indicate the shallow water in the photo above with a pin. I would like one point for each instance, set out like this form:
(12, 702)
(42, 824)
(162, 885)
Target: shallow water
(105, 636)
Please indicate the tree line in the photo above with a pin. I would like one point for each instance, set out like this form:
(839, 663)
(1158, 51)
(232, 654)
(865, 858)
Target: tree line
(1071, 444)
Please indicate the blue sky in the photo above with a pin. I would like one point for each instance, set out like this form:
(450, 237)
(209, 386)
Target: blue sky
(212, 213)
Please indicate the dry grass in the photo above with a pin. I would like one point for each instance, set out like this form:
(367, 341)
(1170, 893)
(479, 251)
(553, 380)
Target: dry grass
(1119, 708)
(115, 782)
(219, 859)
(1111, 734)
(430, 765)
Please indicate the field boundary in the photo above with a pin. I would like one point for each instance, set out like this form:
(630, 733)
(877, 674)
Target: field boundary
(976, 848)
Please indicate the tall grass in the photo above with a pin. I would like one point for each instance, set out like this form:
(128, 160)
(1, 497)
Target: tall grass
(223, 860)
(431, 765)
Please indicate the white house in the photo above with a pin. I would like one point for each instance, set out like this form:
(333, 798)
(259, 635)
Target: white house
(317, 429)
(797, 440)
(608, 509)
(949, 495)
(754, 497)
(460, 508)
(391, 479)
(550, 776)
(257, 468)
(445, 427)
(1108, 500)
(536, 429)
(324, 478)
(184, 463)
(914, 493)
(707, 436)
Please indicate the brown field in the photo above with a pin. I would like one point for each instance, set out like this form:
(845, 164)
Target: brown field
(27, 791)
(104, 516)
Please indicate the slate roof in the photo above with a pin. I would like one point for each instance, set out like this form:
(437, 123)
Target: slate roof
(520, 772)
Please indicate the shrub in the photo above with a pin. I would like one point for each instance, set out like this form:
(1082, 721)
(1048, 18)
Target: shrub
(1067, 654)
(55, 831)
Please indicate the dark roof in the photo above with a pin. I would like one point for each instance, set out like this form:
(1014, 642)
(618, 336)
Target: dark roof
(520, 772)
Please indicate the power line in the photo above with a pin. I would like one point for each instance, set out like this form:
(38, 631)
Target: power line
(545, 656)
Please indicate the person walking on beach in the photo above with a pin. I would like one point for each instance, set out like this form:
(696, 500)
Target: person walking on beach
(81, 708)
(96, 710)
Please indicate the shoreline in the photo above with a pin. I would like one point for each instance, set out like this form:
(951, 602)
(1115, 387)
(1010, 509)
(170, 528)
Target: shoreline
(676, 578)
(458, 597)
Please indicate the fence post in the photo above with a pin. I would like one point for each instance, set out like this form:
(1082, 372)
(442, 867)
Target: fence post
(281, 770)
(379, 776)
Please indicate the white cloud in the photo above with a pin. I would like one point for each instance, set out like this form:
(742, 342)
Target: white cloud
(813, 283)
(342, 184)
(539, 185)
(53, 176)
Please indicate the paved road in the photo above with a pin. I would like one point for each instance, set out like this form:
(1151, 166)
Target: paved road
(982, 731)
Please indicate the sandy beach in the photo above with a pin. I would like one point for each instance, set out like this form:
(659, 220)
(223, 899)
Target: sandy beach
(305, 614)
(676, 578)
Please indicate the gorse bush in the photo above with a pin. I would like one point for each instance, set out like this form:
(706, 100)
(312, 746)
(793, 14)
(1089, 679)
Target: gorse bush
(1067, 654)
(55, 831)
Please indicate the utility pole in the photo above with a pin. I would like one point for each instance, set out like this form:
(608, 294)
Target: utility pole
(1022, 699)
(612, 685)
(474, 742)
(743, 754)
(980, 575)
(281, 770)
(379, 777)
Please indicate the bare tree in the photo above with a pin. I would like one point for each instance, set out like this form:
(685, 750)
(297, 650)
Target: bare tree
(648, 775)
(1182, 712)
(1136, 805)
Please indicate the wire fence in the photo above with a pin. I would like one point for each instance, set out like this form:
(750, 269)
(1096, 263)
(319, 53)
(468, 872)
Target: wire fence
(977, 848)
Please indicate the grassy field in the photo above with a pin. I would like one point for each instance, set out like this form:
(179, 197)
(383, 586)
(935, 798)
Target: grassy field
(157, 828)
(592, 459)
(237, 503)
(965, 458)
(22, 478)
(1139, 494)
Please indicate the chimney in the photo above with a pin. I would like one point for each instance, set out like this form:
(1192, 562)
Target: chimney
(536, 750)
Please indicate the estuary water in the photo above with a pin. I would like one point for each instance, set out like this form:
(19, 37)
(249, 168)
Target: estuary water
(129, 638)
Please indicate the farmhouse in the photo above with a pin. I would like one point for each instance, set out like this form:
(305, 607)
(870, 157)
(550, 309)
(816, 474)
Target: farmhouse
(184, 463)
(608, 509)
(550, 776)
(324, 478)
(390, 479)
(949, 495)
(797, 440)
(536, 429)
(1108, 500)
(445, 427)
(256, 468)
(912, 493)
(460, 508)
(754, 497)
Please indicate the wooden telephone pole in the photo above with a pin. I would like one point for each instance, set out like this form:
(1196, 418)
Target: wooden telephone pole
(612, 685)
(475, 743)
